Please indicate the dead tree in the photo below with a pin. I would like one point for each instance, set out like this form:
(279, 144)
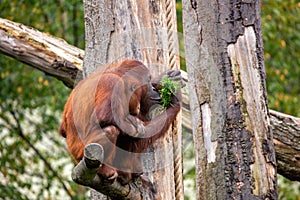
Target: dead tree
(146, 31)
(235, 155)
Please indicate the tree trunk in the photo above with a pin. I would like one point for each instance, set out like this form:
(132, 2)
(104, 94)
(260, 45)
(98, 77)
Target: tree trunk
(286, 128)
(235, 156)
(142, 30)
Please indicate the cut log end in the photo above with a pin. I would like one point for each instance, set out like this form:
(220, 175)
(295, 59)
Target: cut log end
(85, 172)
(93, 155)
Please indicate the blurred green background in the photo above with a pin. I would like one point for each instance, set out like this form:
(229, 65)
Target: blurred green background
(34, 163)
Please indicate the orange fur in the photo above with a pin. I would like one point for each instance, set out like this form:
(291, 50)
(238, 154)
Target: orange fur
(111, 108)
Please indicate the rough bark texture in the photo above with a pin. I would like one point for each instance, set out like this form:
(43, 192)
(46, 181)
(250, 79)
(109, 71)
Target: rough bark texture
(286, 129)
(235, 157)
(116, 30)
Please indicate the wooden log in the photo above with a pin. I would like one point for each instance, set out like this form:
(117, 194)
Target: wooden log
(44, 52)
(286, 131)
(85, 173)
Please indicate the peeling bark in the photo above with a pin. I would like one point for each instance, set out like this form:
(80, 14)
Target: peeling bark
(210, 146)
(249, 93)
(225, 66)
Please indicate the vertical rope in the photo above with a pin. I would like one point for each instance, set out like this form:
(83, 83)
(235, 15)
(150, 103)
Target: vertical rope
(174, 64)
(172, 30)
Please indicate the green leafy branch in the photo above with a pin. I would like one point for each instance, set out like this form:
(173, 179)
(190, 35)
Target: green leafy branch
(169, 88)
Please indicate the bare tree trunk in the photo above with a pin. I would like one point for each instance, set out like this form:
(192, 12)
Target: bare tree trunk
(235, 156)
(286, 128)
(142, 30)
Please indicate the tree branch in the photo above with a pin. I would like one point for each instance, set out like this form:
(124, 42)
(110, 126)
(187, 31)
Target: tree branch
(286, 130)
(49, 54)
(85, 173)
(57, 58)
